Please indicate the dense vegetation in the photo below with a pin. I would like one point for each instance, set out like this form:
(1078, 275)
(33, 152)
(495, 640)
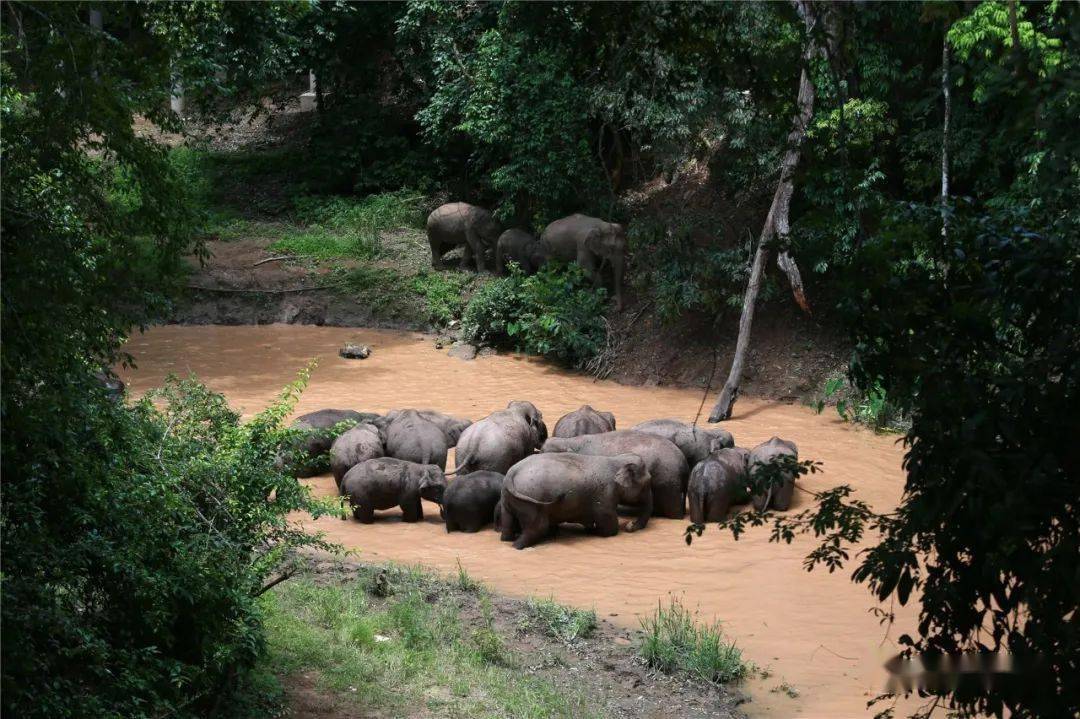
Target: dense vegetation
(934, 208)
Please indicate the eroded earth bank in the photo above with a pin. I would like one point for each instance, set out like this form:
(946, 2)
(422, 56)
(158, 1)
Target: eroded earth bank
(814, 632)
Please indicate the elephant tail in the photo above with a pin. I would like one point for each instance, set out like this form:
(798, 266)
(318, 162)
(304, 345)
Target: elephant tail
(697, 506)
(530, 500)
(463, 464)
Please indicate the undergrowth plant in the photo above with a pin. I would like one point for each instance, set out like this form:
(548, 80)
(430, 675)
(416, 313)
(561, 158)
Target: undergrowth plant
(674, 641)
(556, 313)
(564, 623)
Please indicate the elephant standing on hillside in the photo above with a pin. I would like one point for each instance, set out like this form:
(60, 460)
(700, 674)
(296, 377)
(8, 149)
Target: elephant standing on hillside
(459, 223)
(520, 247)
(502, 439)
(589, 242)
(584, 420)
(412, 436)
(666, 464)
(469, 501)
(716, 483)
(387, 482)
(359, 444)
(546, 489)
(695, 443)
(319, 430)
(764, 454)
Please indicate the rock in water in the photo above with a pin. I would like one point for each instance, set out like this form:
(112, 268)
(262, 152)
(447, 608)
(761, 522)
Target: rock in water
(351, 351)
(462, 350)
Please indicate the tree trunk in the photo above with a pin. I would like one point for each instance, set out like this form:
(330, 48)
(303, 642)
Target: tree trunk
(946, 93)
(777, 224)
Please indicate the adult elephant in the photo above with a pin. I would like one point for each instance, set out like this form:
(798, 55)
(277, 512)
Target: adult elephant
(316, 432)
(459, 223)
(590, 242)
(521, 247)
(666, 464)
(695, 443)
(359, 444)
(451, 426)
(544, 490)
(774, 451)
(387, 482)
(502, 439)
(410, 435)
(716, 483)
(584, 420)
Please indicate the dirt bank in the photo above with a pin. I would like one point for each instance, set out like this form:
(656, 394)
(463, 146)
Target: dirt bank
(813, 631)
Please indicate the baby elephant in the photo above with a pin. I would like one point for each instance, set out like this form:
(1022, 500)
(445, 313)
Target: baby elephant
(306, 457)
(357, 445)
(387, 482)
(544, 490)
(717, 483)
(765, 454)
(520, 247)
(469, 501)
(584, 420)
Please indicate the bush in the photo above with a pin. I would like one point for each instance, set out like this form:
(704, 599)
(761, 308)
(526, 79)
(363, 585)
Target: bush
(556, 313)
(172, 520)
(564, 623)
(871, 408)
(674, 641)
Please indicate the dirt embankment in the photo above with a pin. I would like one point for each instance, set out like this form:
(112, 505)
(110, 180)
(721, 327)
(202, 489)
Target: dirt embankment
(246, 281)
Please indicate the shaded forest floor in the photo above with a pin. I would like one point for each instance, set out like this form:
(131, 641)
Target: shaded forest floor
(281, 252)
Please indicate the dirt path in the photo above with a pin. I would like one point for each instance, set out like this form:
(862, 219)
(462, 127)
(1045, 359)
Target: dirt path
(813, 631)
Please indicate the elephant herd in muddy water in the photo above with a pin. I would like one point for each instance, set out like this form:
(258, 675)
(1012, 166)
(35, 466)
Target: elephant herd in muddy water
(511, 474)
(591, 242)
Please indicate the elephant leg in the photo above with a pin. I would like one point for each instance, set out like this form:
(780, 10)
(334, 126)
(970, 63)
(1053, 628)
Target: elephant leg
(534, 532)
(588, 262)
(411, 509)
(511, 527)
(467, 256)
(605, 524)
(668, 503)
(436, 253)
(451, 526)
(364, 513)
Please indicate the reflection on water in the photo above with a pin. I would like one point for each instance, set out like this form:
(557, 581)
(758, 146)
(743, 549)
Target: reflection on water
(812, 630)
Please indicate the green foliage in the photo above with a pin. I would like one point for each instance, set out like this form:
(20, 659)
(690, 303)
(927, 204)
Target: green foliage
(564, 623)
(556, 313)
(674, 641)
(871, 408)
(394, 653)
(444, 293)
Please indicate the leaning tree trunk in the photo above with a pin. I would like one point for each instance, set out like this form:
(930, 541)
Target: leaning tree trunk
(946, 93)
(777, 224)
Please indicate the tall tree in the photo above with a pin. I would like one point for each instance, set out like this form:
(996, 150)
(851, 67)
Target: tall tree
(777, 221)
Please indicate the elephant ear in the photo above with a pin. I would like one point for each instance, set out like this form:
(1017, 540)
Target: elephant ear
(610, 418)
(594, 241)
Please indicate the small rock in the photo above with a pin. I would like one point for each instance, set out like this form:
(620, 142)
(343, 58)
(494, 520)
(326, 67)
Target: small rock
(463, 350)
(353, 351)
(438, 344)
(380, 638)
(486, 352)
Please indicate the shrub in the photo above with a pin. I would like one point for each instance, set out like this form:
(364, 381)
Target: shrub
(173, 519)
(444, 293)
(556, 313)
(675, 641)
(871, 408)
(562, 622)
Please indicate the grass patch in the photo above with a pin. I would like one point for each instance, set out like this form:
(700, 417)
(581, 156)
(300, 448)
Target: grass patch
(393, 641)
(564, 623)
(675, 642)
(322, 244)
(444, 293)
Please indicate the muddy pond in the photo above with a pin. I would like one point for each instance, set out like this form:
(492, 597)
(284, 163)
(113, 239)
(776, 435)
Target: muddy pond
(813, 632)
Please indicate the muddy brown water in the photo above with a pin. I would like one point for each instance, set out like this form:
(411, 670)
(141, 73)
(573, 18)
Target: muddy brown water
(814, 632)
